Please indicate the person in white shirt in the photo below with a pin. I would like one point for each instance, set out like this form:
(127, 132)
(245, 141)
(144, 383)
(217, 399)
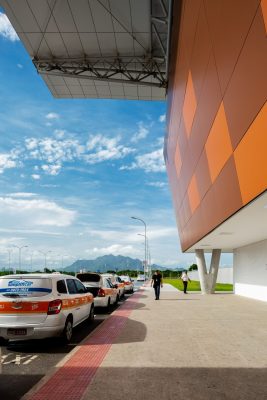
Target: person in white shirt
(185, 278)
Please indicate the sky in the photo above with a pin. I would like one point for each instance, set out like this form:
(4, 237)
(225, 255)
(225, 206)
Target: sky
(74, 171)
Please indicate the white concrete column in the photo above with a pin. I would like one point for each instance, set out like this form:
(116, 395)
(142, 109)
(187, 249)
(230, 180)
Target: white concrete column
(202, 270)
(208, 279)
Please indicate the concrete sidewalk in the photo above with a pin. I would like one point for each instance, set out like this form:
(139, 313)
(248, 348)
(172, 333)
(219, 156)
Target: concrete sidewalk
(189, 347)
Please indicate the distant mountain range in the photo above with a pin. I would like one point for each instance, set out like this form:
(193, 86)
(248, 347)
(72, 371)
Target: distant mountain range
(109, 263)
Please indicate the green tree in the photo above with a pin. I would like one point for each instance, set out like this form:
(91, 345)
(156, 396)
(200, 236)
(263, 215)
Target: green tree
(193, 267)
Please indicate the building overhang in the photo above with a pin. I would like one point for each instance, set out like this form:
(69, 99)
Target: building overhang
(246, 226)
(97, 48)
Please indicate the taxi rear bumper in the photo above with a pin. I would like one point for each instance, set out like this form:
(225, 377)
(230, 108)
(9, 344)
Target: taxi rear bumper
(101, 301)
(53, 325)
(26, 332)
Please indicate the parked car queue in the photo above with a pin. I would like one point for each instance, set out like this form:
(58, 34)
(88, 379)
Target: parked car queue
(37, 306)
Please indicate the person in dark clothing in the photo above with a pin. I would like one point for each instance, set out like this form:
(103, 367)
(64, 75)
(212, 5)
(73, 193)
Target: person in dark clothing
(157, 283)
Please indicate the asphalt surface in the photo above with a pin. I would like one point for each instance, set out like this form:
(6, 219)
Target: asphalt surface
(25, 363)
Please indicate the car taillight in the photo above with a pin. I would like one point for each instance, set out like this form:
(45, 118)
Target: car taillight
(101, 293)
(127, 283)
(54, 307)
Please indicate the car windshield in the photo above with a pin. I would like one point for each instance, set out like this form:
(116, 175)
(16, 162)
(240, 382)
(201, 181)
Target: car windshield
(25, 286)
(86, 277)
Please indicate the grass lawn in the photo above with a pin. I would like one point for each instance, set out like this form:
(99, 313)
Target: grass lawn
(195, 285)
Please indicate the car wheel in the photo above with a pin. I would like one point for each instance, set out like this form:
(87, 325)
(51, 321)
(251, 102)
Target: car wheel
(108, 306)
(67, 332)
(3, 341)
(91, 316)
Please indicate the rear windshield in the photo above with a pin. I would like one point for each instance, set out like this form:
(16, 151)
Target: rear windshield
(25, 287)
(88, 277)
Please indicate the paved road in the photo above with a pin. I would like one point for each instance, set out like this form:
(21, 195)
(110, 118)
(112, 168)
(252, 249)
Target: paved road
(25, 363)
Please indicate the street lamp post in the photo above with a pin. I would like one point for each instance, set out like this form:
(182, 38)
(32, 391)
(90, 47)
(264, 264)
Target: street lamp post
(45, 254)
(62, 260)
(62, 256)
(32, 253)
(148, 253)
(9, 259)
(20, 248)
(139, 219)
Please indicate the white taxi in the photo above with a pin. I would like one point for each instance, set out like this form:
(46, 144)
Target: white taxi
(105, 294)
(117, 283)
(36, 306)
(129, 286)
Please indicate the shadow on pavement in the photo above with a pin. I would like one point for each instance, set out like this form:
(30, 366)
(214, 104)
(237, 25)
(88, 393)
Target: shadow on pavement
(142, 296)
(134, 305)
(163, 383)
(132, 332)
(13, 387)
(180, 384)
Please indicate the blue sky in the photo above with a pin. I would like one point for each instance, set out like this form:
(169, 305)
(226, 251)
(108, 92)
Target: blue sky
(73, 172)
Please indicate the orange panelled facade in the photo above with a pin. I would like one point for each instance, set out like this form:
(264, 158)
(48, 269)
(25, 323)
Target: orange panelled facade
(216, 144)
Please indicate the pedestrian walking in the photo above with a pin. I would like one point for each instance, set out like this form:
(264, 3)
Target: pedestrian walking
(157, 283)
(185, 278)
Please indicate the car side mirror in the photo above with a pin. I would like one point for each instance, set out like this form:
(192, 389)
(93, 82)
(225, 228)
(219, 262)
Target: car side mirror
(115, 286)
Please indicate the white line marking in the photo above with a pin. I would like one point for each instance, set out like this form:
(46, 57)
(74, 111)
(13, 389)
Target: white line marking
(30, 360)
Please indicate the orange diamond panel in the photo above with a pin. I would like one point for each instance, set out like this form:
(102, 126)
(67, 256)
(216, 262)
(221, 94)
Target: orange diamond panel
(218, 146)
(264, 12)
(190, 105)
(193, 194)
(178, 162)
(250, 158)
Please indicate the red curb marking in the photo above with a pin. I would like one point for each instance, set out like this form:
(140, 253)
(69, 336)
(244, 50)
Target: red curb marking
(73, 378)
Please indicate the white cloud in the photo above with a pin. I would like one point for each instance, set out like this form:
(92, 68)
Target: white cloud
(116, 249)
(20, 66)
(35, 212)
(59, 133)
(140, 134)
(157, 184)
(160, 232)
(51, 169)
(53, 152)
(30, 231)
(22, 194)
(149, 162)
(7, 161)
(36, 176)
(31, 143)
(52, 115)
(49, 185)
(6, 29)
(162, 118)
(103, 148)
(50, 153)
(160, 141)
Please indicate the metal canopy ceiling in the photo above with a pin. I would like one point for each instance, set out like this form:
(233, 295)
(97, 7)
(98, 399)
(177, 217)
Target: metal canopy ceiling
(96, 48)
